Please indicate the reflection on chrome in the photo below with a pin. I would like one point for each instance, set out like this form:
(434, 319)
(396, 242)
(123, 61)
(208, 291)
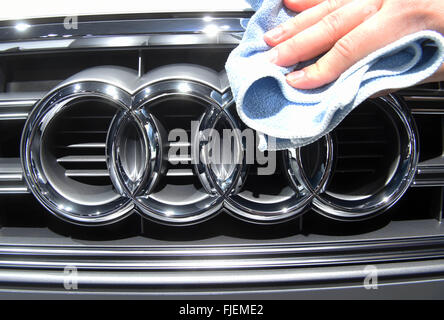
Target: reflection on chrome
(22, 26)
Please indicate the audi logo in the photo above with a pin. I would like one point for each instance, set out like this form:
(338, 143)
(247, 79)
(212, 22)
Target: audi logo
(138, 151)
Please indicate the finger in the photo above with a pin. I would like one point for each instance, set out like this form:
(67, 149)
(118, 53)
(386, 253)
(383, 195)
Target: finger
(301, 5)
(320, 37)
(353, 47)
(302, 21)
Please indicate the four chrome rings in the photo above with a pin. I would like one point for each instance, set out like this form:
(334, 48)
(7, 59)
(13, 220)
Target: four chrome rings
(136, 165)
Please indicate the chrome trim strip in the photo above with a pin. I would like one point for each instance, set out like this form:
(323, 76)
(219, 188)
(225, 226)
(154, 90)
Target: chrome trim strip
(180, 25)
(430, 173)
(427, 111)
(16, 109)
(120, 42)
(227, 257)
(423, 170)
(423, 98)
(135, 251)
(234, 263)
(11, 176)
(13, 190)
(179, 144)
(87, 173)
(10, 166)
(226, 279)
(88, 158)
(427, 96)
(197, 30)
(428, 182)
(180, 158)
(18, 105)
(91, 145)
(180, 173)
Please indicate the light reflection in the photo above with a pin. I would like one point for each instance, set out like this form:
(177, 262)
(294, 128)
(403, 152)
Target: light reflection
(211, 30)
(112, 92)
(120, 42)
(22, 26)
(184, 87)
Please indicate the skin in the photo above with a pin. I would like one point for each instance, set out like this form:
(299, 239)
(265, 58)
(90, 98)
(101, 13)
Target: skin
(346, 31)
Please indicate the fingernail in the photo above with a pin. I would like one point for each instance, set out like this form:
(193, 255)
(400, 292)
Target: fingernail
(275, 33)
(272, 55)
(295, 76)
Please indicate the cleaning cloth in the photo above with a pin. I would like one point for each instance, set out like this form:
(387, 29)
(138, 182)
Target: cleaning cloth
(286, 117)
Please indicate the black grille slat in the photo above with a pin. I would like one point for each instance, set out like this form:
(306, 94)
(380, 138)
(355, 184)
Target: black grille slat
(362, 143)
(80, 142)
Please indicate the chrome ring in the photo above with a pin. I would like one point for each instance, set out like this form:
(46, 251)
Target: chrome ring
(64, 197)
(214, 176)
(134, 164)
(296, 199)
(358, 209)
(153, 205)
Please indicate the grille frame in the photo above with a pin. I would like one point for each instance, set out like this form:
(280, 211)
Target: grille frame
(392, 245)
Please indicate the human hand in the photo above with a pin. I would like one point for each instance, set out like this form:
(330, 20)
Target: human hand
(346, 31)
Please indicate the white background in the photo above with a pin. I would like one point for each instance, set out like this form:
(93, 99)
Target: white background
(23, 9)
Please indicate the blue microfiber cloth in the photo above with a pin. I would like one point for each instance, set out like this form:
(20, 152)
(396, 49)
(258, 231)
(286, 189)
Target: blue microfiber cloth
(286, 117)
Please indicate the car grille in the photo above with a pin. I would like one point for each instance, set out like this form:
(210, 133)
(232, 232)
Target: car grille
(93, 186)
